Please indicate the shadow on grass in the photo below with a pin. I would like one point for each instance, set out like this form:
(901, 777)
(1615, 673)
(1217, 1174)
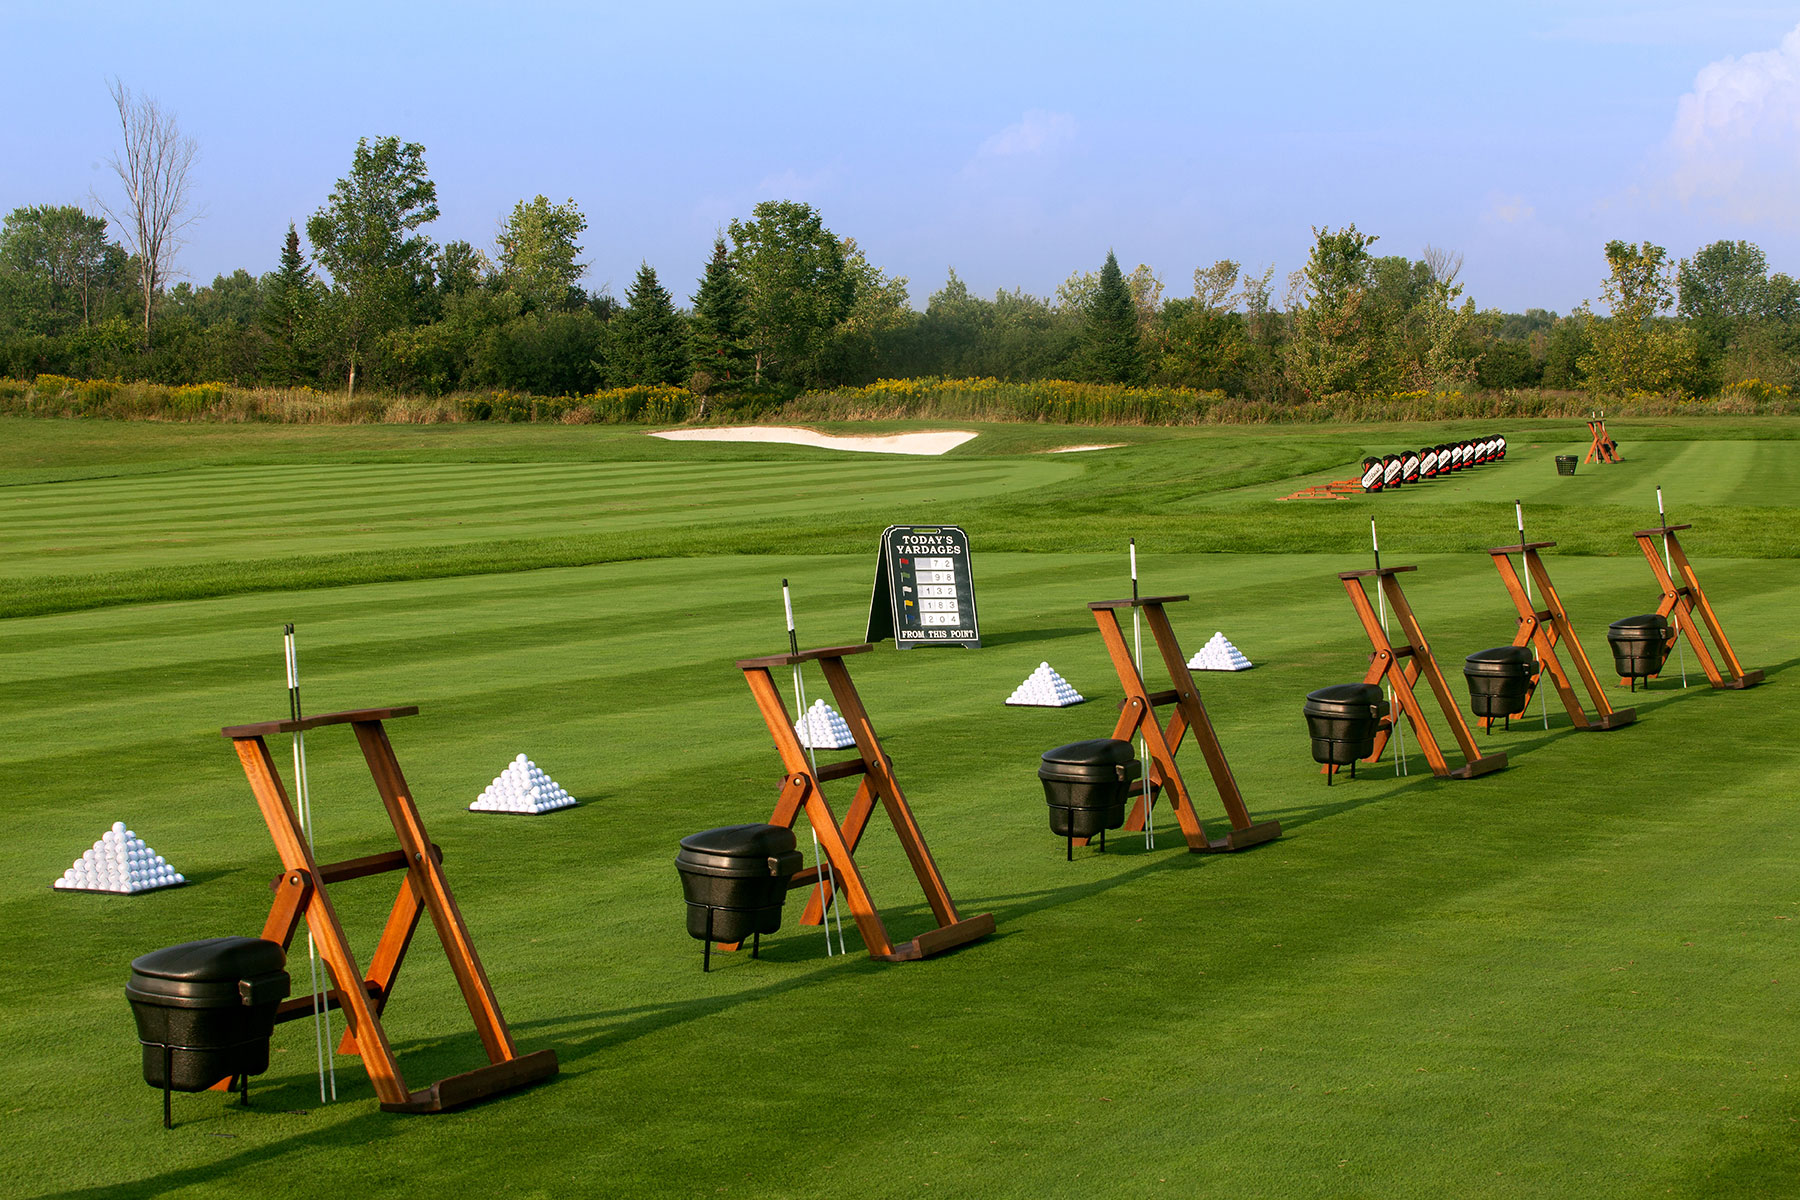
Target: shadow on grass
(1016, 636)
(363, 1134)
(1170, 854)
(575, 1038)
(583, 1035)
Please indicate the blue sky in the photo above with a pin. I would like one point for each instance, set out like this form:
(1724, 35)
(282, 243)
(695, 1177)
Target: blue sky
(1013, 142)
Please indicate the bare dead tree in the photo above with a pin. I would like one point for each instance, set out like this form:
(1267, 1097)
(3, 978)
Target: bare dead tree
(153, 163)
(1444, 265)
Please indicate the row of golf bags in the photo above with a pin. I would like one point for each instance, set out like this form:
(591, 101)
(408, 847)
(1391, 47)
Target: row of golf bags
(1409, 466)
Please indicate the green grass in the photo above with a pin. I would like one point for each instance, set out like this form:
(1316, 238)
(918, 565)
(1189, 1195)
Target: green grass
(182, 512)
(1569, 978)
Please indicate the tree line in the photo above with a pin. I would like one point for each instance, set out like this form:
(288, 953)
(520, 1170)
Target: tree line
(782, 303)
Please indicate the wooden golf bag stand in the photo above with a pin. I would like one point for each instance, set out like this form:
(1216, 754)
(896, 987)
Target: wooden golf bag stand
(802, 791)
(301, 893)
(1680, 603)
(1541, 629)
(1138, 715)
(1385, 668)
(1602, 448)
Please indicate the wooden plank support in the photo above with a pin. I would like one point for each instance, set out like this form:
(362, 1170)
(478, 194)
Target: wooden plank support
(1544, 630)
(802, 792)
(1601, 447)
(1385, 669)
(1682, 602)
(1162, 741)
(301, 893)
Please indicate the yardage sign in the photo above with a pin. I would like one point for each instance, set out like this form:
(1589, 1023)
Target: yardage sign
(924, 588)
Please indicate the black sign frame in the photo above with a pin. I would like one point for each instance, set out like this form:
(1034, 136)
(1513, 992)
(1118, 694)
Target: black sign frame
(897, 601)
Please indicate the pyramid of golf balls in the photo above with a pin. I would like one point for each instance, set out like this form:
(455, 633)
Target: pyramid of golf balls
(522, 788)
(823, 728)
(120, 862)
(1044, 688)
(1219, 655)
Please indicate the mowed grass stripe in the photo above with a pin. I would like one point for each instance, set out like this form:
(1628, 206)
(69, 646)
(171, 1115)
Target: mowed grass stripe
(389, 507)
(259, 495)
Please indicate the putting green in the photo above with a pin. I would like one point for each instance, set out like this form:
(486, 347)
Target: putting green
(1566, 979)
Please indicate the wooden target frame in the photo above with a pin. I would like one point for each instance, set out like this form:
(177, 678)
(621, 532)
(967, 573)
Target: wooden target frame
(1544, 629)
(1683, 602)
(1601, 447)
(802, 791)
(301, 893)
(1385, 667)
(1138, 714)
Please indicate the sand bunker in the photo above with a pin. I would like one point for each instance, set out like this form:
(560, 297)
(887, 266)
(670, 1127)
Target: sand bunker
(1078, 449)
(873, 443)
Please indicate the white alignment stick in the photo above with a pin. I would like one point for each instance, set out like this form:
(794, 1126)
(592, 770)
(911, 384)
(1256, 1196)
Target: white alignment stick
(1393, 715)
(1137, 640)
(1543, 703)
(821, 865)
(1663, 521)
(322, 1042)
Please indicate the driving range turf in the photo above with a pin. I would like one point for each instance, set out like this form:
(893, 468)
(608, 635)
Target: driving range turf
(1574, 977)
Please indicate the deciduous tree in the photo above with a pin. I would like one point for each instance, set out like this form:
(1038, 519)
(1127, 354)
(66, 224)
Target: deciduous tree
(367, 237)
(1630, 351)
(538, 252)
(798, 287)
(1329, 348)
(878, 309)
(53, 259)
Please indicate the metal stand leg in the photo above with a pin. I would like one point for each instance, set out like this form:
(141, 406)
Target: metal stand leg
(1103, 841)
(167, 1069)
(706, 950)
(756, 944)
(244, 1089)
(1069, 851)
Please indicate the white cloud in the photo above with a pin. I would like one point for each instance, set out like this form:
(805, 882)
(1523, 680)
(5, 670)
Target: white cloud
(1508, 210)
(1735, 143)
(1038, 132)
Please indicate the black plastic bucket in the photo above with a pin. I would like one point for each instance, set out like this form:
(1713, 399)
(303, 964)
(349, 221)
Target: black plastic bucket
(204, 1011)
(735, 880)
(1086, 785)
(1499, 680)
(1342, 722)
(1639, 645)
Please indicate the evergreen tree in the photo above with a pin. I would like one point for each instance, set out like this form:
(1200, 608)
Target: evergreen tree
(645, 342)
(1111, 329)
(719, 359)
(287, 301)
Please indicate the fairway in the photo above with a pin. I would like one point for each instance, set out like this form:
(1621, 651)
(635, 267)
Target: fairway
(1570, 978)
(223, 513)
